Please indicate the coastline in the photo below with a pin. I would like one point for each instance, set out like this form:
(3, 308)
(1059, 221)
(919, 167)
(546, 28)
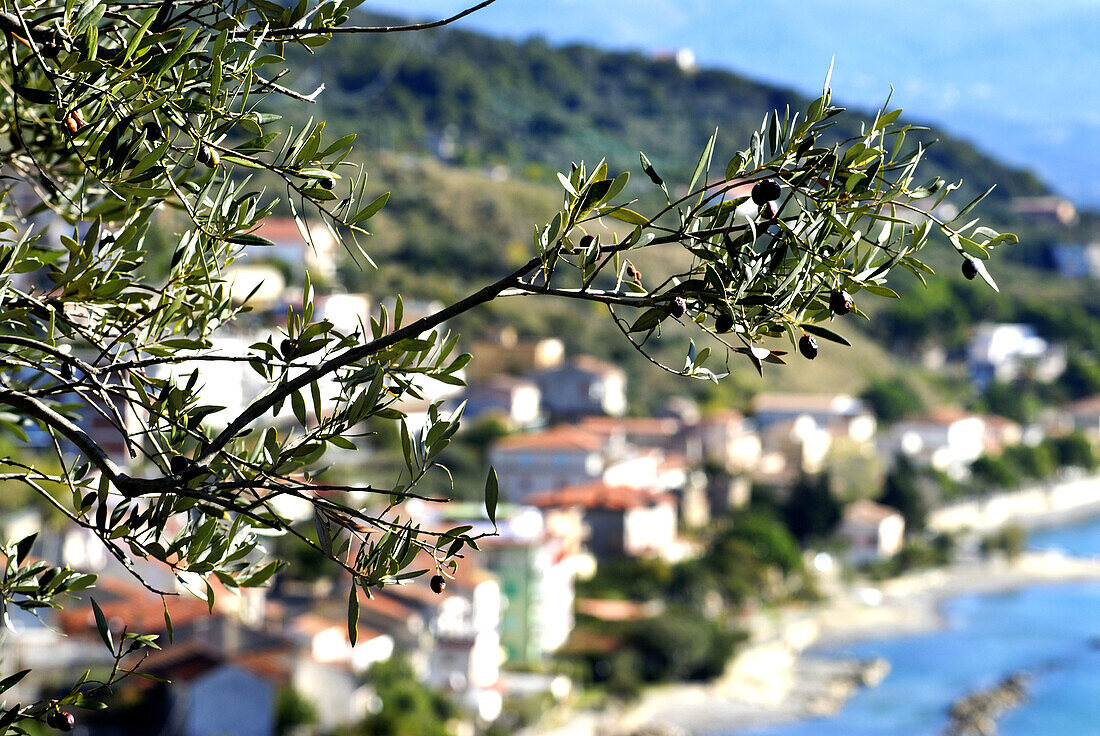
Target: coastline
(779, 677)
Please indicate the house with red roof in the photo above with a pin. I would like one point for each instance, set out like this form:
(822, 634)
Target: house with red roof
(871, 531)
(622, 521)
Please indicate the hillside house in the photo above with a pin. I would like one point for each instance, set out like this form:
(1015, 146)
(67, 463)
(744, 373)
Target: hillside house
(316, 252)
(871, 531)
(583, 387)
(838, 414)
(505, 353)
(553, 458)
(622, 521)
(326, 639)
(515, 400)
(1005, 352)
(729, 439)
(948, 439)
(790, 447)
(209, 693)
(667, 434)
(1075, 260)
(1084, 415)
(1045, 210)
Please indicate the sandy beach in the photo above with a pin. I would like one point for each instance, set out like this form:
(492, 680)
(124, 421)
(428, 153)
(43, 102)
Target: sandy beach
(778, 678)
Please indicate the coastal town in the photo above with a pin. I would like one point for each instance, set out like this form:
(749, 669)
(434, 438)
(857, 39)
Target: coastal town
(636, 563)
(525, 371)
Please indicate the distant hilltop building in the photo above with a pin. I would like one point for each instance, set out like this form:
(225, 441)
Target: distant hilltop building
(1047, 209)
(684, 58)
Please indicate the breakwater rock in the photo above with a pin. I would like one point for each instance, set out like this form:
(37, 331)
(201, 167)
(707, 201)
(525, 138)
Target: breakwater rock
(976, 714)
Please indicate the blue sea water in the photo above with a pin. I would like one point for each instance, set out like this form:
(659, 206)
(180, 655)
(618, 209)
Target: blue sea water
(1048, 630)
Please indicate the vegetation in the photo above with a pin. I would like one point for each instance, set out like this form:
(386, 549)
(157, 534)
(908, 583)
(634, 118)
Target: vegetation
(117, 112)
(1010, 541)
(406, 706)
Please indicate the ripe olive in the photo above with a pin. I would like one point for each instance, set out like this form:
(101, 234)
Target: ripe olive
(840, 302)
(61, 720)
(970, 268)
(766, 191)
(807, 345)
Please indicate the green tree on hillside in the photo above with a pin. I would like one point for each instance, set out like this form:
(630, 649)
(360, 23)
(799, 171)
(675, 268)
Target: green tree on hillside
(121, 114)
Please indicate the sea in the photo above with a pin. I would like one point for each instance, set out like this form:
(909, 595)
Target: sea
(1051, 631)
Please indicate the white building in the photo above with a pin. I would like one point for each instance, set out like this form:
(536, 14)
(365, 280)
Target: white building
(871, 531)
(517, 401)
(621, 520)
(553, 458)
(947, 439)
(1004, 352)
(328, 642)
(315, 250)
(838, 414)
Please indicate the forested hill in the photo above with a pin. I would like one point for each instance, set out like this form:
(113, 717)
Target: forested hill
(486, 100)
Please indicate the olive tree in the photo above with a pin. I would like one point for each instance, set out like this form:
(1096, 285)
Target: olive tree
(123, 115)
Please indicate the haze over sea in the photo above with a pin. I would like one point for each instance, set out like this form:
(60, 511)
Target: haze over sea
(1047, 630)
(1016, 77)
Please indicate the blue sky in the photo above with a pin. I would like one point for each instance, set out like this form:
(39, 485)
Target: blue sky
(1020, 79)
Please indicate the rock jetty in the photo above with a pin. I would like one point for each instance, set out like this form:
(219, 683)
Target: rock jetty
(976, 714)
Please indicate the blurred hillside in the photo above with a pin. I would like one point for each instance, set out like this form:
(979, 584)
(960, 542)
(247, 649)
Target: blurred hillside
(467, 131)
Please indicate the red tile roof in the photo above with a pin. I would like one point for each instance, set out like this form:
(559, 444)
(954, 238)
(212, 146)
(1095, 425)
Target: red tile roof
(563, 437)
(279, 229)
(1087, 405)
(632, 425)
(863, 511)
(595, 365)
(142, 611)
(599, 495)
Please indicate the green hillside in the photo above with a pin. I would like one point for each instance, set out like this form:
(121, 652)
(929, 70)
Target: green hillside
(485, 100)
(437, 112)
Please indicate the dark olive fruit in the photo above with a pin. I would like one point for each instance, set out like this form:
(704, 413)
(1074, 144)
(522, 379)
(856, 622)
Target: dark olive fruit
(633, 274)
(723, 323)
(208, 156)
(50, 50)
(766, 191)
(770, 211)
(288, 348)
(678, 308)
(807, 345)
(437, 583)
(177, 464)
(328, 183)
(153, 131)
(841, 302)
(61, 720)
(586, 242)
(66, 371)
(970, 268)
